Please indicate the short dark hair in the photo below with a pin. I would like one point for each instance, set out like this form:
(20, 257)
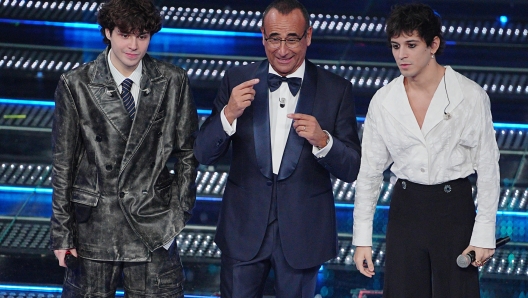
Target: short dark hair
(284, 7)
(407, 18)
(129, 16)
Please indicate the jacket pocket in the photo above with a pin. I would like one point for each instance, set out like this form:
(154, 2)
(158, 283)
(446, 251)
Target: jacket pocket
(164, 192)
(83, 203)
(171, 280)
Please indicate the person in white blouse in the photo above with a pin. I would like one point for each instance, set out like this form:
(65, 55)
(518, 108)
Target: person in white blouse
(433, 127)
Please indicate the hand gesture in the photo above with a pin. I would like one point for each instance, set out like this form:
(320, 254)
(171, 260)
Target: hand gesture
(307, 127)
(241, 98)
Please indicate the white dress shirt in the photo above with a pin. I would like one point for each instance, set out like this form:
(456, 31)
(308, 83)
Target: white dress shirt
(280, 124)
(444, 149)
(135, 77)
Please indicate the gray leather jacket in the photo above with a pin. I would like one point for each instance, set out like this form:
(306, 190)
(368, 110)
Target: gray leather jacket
(113, 195)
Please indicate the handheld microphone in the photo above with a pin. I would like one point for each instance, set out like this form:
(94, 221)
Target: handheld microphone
(447, 116)
(71, 261)
(463, 261)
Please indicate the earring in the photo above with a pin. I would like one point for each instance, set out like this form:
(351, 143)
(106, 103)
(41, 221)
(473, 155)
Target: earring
(432, 56)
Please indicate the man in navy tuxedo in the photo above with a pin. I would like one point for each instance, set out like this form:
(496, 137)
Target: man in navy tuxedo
(291, 126)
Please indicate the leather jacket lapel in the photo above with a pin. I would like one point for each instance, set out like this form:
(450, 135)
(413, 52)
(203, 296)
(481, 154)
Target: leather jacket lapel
(294, 145)
(261, 121)
(106, 95)
(153, 86)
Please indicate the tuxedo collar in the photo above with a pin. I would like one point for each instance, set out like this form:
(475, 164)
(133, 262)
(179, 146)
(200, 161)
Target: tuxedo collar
(261, 121)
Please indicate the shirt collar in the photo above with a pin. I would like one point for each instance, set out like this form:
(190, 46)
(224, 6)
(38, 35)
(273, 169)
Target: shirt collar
(119, 78)
(299, 73)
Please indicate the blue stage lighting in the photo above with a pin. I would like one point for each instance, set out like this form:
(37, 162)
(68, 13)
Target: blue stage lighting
(503, 19)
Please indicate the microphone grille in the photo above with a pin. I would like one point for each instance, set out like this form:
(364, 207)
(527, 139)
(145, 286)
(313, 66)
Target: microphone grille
(463, 261)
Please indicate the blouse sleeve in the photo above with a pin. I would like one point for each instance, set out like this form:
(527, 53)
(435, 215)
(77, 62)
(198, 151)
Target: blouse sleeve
(374, 160)
(486, 162)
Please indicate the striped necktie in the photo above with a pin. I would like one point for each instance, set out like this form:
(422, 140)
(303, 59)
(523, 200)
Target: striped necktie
(128, 100)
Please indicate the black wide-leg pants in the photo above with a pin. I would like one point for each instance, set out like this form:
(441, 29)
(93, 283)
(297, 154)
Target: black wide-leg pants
(429, 226)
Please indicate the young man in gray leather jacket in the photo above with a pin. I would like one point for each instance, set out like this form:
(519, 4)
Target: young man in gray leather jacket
(118, 120)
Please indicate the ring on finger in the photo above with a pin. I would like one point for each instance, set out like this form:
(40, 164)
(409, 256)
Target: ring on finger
(304, 127)
(479, 263)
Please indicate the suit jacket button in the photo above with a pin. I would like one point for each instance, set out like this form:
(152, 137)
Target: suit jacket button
(98, 139)
(269, 183)
(159, 134)
(108, 167)
(121, 194)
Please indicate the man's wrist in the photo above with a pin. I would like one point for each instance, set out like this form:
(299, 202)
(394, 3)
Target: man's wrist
(325, 142)
(227, 115)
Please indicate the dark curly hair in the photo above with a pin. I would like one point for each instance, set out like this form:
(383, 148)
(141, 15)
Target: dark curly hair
(129, 16)
(285, 7)
(407, 18)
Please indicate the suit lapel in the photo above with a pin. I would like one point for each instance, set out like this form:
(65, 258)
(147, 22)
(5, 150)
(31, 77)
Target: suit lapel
(261, 121)
(294, 145)
(153, 86)
(106, 96)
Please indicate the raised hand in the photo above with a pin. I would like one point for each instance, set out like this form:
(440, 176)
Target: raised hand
(241, 98)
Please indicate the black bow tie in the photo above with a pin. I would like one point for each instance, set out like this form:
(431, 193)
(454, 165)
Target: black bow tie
(274, 82)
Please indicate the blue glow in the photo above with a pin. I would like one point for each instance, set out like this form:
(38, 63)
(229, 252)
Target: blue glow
(27, 102)
(351, 206)
(510, 125)
(208, 112)
(209, 32)
(47, 23)
(163, 30)
(450, 42)
(31, 288)
(48, 289)
(40, 190)
(209, 199)
(26, 189)
(503, 19)
(512, 213)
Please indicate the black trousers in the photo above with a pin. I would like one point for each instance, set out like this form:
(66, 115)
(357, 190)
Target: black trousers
(429, 226)
(161, 277)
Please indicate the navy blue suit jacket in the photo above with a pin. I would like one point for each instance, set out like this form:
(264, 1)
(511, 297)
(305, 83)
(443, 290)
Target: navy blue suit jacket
(305, 202)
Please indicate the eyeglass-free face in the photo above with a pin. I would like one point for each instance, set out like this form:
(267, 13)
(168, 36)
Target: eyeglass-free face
(291, 29)
(412, 54)
(127, 49)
